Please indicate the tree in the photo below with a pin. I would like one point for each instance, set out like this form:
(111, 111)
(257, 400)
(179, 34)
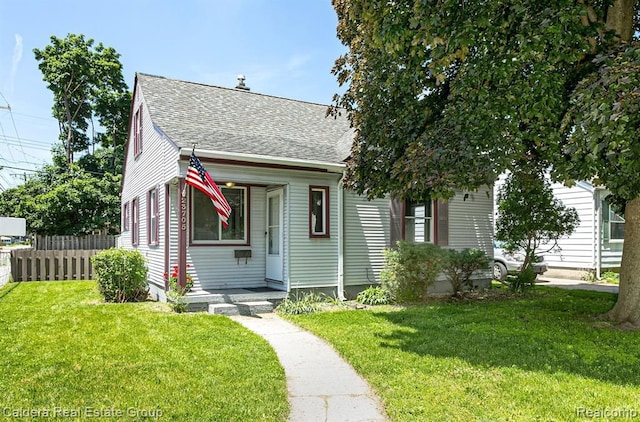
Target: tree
(67, 201)
(529, 216)
(86, 81)
(446, 95)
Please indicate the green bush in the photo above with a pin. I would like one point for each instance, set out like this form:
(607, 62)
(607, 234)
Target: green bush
(522, 280)
(410, 270)
(458, 267)
(121, 275)
(610, 277)
(300, 304)
(374, 295)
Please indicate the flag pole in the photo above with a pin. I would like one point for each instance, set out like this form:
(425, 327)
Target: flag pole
(193, 152)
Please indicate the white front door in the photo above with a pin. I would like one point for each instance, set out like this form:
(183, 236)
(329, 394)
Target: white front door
(275, 244)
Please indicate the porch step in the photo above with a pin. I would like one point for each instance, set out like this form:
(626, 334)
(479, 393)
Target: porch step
(254, 308)
(227, 309)
(241, 308)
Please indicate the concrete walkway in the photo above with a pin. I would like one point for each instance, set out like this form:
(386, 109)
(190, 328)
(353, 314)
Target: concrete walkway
(576, 284)
(321, 385)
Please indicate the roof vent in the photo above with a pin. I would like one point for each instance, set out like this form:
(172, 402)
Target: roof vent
(241, 84)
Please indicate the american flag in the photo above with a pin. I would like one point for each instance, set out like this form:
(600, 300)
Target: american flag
(200, 179)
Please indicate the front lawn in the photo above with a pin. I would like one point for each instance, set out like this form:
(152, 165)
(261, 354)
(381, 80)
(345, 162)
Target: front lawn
(537, 358)
(65, 354)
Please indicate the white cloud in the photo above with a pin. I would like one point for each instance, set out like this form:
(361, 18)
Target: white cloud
(17, 58)
(298, 61)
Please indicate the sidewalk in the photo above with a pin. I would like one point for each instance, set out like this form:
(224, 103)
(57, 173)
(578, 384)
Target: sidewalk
(576, 284)
(322, 386)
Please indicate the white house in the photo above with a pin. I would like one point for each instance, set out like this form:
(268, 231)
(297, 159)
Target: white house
(596, 245)
(279, 162)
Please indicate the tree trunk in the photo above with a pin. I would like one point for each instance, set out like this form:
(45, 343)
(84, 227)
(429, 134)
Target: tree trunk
(627, 308)
(620, 19)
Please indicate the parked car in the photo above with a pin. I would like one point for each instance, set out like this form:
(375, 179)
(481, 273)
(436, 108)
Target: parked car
(505, 262)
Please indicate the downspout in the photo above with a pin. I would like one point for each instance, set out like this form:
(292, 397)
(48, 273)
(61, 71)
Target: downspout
(287, 237)
(598, 233)
(341, 239)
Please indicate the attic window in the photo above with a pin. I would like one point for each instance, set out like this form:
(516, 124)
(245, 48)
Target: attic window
(137, 132)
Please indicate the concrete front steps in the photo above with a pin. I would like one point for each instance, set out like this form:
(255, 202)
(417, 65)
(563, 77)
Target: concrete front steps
(234, 301)
(241, 308)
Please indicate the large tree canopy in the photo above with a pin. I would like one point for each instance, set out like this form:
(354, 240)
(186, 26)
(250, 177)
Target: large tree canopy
(91, 103)
(87, 84)
(446, 95)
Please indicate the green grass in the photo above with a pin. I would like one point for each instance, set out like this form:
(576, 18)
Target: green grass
(542, 357)
(62, 349)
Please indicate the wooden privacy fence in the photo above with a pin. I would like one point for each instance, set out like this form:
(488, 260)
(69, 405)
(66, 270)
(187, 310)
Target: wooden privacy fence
(31, 265)
(88, 242)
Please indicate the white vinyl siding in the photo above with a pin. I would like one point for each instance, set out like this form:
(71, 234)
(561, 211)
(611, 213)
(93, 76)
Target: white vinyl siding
(366, 234)
(313, 261)
(215, 267)
(471, 222)
(150, 170)
(580, 249)
(577, 250)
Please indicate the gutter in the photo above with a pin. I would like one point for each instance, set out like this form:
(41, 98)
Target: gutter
(265, 159)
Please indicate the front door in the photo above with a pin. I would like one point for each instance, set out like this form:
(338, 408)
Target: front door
(275, 244)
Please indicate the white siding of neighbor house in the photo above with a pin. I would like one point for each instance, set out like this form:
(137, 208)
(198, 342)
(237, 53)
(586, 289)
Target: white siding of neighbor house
(366, 234)
(153, 168)
(577, 250)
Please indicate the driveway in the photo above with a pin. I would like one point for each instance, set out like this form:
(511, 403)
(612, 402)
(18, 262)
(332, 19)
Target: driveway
(577, 284)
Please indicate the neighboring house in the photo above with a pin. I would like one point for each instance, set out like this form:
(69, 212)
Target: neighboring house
(279, 163)
(596, 245)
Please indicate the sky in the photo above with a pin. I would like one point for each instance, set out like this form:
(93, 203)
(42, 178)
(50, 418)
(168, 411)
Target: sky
(284, 48)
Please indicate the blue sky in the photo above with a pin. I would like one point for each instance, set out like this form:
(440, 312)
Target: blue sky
(283, 47)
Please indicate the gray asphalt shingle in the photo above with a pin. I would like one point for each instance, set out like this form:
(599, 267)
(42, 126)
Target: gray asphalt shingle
(232, 120)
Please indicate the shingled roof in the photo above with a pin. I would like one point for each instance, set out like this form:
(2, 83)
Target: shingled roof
(240, 121)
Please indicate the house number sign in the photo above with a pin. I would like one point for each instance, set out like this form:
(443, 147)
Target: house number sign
(183, 213)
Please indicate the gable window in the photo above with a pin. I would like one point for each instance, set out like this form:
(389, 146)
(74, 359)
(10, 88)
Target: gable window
(318, 211)
(206, 226)
(137, 132)
(419, 222)
(125, 217)
(613, 224)
(135, 221)
(153, 225)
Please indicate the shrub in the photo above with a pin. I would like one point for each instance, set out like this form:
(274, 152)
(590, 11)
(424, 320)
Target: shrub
(175, 294)
(611, 277)
(410, 270)
(306, 303)
(172, 281)
(522, 280)
(374, 295)
(458, 267)
(121, 275)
